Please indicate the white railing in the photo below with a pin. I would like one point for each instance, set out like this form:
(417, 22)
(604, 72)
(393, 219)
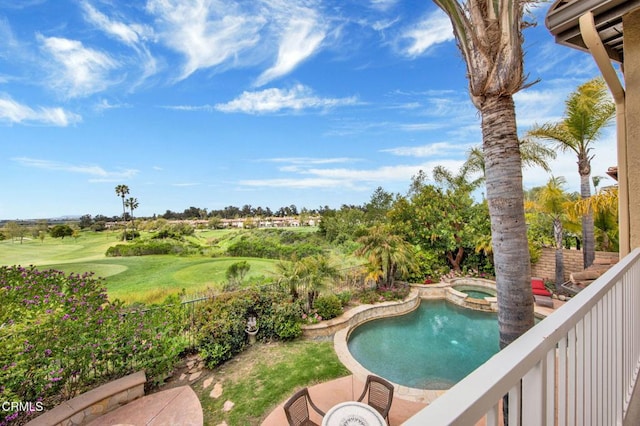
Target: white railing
(576, 367)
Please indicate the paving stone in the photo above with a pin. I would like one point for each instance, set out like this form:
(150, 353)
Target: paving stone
(228, 406)
(217, 390)
(207, 383)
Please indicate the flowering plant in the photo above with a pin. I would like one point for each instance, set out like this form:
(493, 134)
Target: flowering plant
(312, 318)
(60, 335)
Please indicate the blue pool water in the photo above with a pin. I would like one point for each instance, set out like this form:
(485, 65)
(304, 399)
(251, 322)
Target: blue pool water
(433, 347)
(477, 294)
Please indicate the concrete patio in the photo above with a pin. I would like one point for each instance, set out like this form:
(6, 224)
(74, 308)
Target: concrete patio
(326, 395)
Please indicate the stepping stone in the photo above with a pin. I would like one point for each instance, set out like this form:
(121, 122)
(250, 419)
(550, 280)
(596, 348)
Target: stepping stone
(182, 377)
(195, 376)
(217, 391)
(222, 424)
(228, 406)
(207, 383)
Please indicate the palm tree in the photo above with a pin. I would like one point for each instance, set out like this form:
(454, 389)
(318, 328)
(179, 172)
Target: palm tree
(588, 111)
(122, 191)
(309, 275)
(553, 201)
(489, 36)
(532, 153)
(388, 254)
(460, 182)
(317, 272)
(604, 205)
(133, 204)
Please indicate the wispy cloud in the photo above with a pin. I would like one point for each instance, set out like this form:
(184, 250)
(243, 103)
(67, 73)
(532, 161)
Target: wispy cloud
(98, 172)
(274, 100)
(15, 112)
(382, 5)
(104, 105)
(78, 70)
(128, 34)
(351, 178)
(431, 150)
(293, 183)
(206, 32)
(310, 160)
(301, 32)
(132, 35)
(434, 29)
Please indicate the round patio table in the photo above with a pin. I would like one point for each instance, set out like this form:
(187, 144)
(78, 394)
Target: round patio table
(353, 413)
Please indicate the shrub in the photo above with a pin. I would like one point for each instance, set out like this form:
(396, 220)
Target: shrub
(221, 322)
(59, 335)
(328, 307)
(345, 297)
(145, 248)
(398, 291)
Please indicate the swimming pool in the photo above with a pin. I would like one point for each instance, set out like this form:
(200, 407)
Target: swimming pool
(476, 292)
(432, 347)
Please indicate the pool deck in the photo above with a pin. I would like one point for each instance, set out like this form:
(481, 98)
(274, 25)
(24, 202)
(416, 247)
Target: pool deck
(406, 402)
(326, 395)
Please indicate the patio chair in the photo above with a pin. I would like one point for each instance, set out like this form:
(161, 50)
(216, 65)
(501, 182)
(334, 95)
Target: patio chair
(541, 295)
(380, 395)
(297, 409)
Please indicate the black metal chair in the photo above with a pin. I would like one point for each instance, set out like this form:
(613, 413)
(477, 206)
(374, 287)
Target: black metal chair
(297, 409)
(380, 395)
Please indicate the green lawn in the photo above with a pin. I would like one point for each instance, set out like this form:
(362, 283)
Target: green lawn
(144, 278)
(89, 246)
(263, 376)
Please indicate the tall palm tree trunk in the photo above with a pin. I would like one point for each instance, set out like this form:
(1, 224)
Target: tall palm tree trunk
(124, 219)
(557, 235)
(508, 227)
(588, 229)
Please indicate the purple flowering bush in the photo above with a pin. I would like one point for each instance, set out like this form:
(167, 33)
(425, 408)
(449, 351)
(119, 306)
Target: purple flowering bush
(60, 336)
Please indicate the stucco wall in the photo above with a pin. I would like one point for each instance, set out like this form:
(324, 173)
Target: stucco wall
(546, 267)
(631, 25)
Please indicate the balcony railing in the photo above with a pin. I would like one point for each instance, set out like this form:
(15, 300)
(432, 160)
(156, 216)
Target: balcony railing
(576, 367)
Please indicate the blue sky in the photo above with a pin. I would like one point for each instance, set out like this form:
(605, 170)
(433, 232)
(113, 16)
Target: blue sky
(211, 103)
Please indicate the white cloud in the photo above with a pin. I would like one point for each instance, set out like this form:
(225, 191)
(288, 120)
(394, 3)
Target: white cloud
(309, 160)
(300, 36)
(79, 71)
(207, 32)
(128, 34)
(383, 5)
(351, 178)
(104, 105)
(91, 170)
(132, 35)
(273, 100)
(293, 183)
(434, 149)
(434, 29)
(14, 112)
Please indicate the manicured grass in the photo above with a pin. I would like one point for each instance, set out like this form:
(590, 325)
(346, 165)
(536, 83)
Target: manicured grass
(146, 279)
(88, 246)
(263, 376)
(152, 278)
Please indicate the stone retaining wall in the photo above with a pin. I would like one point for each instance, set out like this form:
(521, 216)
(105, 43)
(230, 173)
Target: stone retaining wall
(92, 404)
(361, 314)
